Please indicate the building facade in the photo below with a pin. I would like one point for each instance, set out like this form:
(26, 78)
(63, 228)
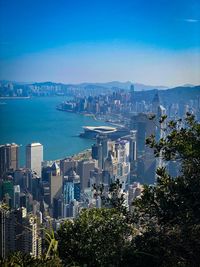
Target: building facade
(34, 157)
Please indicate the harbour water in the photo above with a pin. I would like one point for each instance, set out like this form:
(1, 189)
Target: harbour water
(24, 121)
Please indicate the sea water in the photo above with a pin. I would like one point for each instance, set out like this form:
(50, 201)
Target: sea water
(36, 119)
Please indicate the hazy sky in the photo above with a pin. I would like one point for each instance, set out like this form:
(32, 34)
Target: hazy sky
(149, 41)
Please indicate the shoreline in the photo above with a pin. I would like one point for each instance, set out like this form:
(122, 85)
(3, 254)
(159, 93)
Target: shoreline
(14, 97)
(80, 113)
(95, 117)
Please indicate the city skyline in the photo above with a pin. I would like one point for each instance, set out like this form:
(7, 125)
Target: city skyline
(98, 41)
(100, 136)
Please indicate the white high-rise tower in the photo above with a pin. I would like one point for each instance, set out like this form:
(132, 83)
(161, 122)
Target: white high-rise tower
(34, 157)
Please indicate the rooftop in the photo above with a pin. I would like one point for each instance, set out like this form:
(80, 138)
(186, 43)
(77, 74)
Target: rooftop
(34, 144)
(100, 129)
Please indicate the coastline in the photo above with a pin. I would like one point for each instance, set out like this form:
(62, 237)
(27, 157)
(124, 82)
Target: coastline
(15, 97)
(80, 113)
(95, 117)
(59, 135)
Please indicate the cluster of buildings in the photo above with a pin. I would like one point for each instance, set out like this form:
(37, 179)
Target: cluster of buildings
(117, 103)
(120, 105)
(20, 217)
(44, 193)
(10, 89)
(20, 231)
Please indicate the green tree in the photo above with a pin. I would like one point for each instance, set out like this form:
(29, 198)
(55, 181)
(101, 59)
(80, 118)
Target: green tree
(168, 213)
(96, 238)
(19, 259)
(114, 198)
(49, 258)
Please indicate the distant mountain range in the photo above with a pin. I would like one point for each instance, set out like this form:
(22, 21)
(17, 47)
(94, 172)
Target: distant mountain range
(122, 85)
(179, 94)
(107, 85)
(139, 87)
(173, 95)
(110, 85)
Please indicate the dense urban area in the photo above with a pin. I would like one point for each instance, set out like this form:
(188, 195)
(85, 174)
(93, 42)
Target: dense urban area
(114, 173)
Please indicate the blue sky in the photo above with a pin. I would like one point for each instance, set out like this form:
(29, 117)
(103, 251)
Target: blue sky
(152, 41)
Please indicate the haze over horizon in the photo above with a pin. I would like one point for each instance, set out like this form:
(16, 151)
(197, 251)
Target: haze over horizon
(154, 43)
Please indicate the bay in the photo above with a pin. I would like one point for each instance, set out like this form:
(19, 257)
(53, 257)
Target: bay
(24, 121)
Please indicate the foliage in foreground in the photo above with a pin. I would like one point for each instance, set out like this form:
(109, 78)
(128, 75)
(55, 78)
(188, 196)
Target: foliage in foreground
(97, 238)
(19, 259)
(169, 213)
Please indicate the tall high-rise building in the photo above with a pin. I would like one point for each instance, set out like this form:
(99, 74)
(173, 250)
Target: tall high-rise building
(31, 241)
(16, 196)
(3, 217)
(9, 158)
(110, 169)
(122, 148)
(95, 151)
(75, 178)
(96, 177)
(100, 150)
(19, 232)
(132, 93)
(7, 234)
(133, 146)
(55, 182)
(103, 140)
(67, 165)
(155, 103)
(68, 192)
(71, 210)
(7, 192)
(160, 131)
(145, 127)
(132, 138)
(84, 168)
(146, 162)
(34, 157)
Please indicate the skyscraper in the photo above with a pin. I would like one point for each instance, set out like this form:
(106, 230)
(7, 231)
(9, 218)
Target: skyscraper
(68, 164)
(155, 102)
(146, 160)
(55, 182)
(100, 150)
(133, 146)
(84, 168)
(132, 153)
(34, 157)
(108, 172)
(7, 238)
(30, 240)
(19, 232)
(7, 192)
(73, 176)
(68, 192)
(16, 196)
(160, 131)
(132, 93)
(144, 127)
(9, 159)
